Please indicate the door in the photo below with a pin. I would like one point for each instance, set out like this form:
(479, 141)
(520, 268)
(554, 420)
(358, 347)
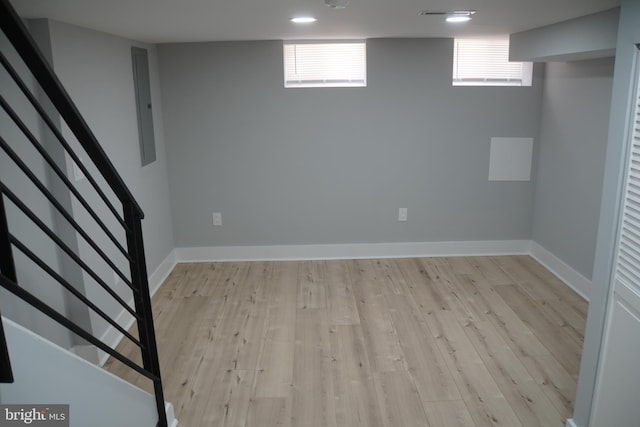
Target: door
(616, 399)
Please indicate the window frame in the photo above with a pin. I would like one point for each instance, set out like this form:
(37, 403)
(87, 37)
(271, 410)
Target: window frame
(486, 80)
(290, 83)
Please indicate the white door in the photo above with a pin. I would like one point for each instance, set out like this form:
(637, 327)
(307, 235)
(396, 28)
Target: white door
(617, 395)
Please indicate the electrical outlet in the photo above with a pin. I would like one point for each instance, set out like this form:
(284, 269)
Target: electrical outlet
(217, 219)
(402, 214)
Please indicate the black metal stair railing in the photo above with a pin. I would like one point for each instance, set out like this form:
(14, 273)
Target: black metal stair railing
(122, 212)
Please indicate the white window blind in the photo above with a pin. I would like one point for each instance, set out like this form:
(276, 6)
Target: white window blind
(485, 62)
(325, 64)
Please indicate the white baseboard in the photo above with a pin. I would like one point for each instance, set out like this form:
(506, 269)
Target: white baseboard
(570, 423)
(112, 336)
(172, 421)
(564, 272)
(157, 278)
(352, 251)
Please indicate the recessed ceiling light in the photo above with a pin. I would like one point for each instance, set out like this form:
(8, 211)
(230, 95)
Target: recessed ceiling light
(303, 19)
(460, 16)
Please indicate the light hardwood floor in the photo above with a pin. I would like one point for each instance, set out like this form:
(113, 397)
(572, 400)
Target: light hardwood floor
(469, 341)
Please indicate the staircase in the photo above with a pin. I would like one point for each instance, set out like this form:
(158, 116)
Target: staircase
(71, 250)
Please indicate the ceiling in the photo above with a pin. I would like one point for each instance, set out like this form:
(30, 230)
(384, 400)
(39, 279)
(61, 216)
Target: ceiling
(159, 21)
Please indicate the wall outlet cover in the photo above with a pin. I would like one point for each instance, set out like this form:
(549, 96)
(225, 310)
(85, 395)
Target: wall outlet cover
(217, 219)
(402, 214)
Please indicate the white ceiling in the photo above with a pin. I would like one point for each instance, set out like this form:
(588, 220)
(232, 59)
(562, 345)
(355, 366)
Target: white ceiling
(158, 21)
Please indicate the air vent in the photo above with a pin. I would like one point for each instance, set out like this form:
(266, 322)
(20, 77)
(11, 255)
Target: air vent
(337, 4)
(430, 13)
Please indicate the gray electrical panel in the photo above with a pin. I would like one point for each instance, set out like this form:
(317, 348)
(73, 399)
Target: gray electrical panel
(143, 105)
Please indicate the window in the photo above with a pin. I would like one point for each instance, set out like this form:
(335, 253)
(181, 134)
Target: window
(486, 63)
(325, 64)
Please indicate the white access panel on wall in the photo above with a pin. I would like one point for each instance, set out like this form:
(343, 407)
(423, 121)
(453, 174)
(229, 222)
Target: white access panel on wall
(618, 384)
(510, 159)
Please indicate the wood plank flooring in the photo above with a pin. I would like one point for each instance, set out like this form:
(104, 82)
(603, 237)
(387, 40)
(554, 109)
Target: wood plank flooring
(440, 342)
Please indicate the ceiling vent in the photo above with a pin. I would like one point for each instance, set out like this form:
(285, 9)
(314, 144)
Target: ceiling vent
(336, 4)
(455, 16)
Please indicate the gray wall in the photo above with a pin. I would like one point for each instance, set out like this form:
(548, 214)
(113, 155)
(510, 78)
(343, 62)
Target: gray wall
(77, 311)
(97, 72)
(29, 276)
(312, 166)
(623, 84)
(573, 139)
